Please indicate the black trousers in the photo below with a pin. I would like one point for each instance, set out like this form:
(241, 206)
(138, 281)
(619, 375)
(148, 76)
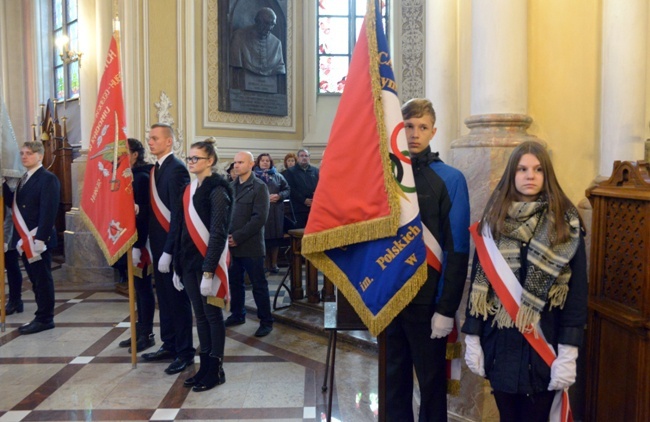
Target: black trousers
(409, 345)
(14, 276)
(209, 318)
(175, 315)
(524, 407)
(40, 274)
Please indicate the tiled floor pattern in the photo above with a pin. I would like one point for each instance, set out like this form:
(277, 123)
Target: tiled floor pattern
(77, 371)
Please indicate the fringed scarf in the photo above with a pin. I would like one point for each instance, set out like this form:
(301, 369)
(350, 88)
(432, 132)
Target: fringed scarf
(548, 271)
(264, 174)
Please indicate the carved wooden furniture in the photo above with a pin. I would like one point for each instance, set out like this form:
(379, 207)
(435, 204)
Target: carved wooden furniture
(57, 157)
(618, 339)
(311, 272)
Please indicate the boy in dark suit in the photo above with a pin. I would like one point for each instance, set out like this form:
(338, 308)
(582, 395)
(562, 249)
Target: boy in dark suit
(35, 204)
(169, 178)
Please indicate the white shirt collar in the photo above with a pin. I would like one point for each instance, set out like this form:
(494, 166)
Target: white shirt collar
(161, 159)
(31, 172)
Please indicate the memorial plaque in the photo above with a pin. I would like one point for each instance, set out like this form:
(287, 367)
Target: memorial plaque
(253, 49)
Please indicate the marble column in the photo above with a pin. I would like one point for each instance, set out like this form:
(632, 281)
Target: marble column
(624, 85)
(498, 122)
(84, 261)
(441, 64)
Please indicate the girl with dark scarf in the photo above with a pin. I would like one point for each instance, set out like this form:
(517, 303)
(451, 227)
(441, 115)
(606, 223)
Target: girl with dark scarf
(278, 192)
(540, 235)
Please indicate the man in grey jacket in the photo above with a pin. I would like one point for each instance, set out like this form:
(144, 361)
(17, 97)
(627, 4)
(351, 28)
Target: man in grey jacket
(246, 242)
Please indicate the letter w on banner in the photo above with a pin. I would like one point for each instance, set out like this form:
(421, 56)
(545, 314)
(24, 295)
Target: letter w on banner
(107, 204)
(364, 230)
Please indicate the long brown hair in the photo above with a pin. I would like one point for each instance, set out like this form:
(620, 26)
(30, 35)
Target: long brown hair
(506, 193)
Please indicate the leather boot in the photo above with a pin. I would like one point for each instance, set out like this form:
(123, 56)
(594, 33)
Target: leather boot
(144, 342)
(214, 377)
(127, 342)
(12, 307)
(203, 369)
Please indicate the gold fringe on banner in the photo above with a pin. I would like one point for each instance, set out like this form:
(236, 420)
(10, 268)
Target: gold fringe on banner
(454, 351)
(93, 230)
(453, 387)
(375, 323)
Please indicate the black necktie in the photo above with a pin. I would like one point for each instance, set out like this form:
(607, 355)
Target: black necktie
(155, 173)
(23, 180)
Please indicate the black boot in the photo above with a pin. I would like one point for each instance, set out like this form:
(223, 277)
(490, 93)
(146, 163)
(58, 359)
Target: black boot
(144, 342)
(214, 377)
(203, 369)
(127, 342)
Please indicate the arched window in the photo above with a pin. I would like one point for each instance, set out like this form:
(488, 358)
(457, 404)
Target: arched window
(339, 23)
(66, 72)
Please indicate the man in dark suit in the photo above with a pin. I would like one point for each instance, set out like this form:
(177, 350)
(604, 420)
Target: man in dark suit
(37, 200)
(169, 179)
(302, 179)
(246, 242)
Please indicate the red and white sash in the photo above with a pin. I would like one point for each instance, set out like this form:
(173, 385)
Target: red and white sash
(434, 251)
(507, 287)
(201, 235)
(162, 213)
(26, 236)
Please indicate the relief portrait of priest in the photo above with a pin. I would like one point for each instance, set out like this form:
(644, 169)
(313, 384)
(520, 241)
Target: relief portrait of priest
(256, 49)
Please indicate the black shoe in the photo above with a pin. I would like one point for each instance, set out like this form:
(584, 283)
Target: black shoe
(232, 321)
(215, 375)
(36, 327)
(125, 343)
(274, 270)
(178, 365)
(143, 342)
(203, 369)
(160, 354)
(264, 330)
(13, 307)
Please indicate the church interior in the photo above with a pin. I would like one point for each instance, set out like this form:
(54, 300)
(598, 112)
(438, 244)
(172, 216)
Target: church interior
(574, 76)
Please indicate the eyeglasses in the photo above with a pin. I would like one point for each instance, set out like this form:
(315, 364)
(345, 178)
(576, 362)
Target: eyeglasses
(195, 160)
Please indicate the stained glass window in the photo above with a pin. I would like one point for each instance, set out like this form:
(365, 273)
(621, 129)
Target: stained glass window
(65, 23)
(339, 24)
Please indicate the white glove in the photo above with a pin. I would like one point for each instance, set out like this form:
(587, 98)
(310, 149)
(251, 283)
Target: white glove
(136, 254)
(474, 355)
(6, 248)
(206, 286)
(177, 282)
(563, 369)
(19, 246)
(164, 262)
(39, 247)
(441, 325)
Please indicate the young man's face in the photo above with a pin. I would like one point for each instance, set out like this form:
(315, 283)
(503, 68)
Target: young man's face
(160, 143)
(419, 133)
(29, 158)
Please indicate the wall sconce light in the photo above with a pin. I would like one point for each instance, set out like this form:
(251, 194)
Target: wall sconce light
(67, 56)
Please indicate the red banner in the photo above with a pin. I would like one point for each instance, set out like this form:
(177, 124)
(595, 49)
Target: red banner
(107, 204)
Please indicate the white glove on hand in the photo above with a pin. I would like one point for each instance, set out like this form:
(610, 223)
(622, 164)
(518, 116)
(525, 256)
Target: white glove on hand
(19, 246)
(164, 262)
(441, 325)
(6, 248)
(177, 282)
(39, 247)
(136, 254)
(563, 369)
(474, 355)
(206, 286)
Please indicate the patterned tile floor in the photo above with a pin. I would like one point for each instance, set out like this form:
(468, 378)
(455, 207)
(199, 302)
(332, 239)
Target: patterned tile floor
(77, 371)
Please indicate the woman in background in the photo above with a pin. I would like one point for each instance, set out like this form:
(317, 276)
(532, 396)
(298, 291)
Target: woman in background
(142, 262)
(278, 192)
